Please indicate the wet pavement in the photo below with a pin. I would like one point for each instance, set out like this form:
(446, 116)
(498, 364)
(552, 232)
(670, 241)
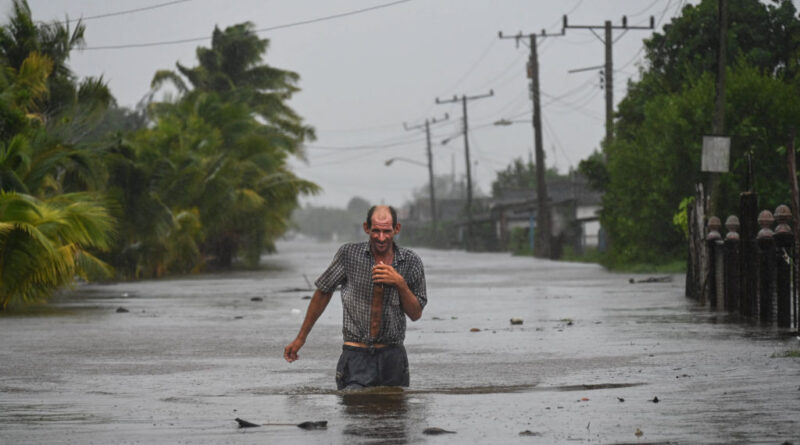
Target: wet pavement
(593, 354)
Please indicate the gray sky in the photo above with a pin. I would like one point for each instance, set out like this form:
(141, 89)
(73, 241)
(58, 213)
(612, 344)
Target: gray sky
(363, 75)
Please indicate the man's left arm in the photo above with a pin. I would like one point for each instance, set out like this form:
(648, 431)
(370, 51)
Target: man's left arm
(384, 273)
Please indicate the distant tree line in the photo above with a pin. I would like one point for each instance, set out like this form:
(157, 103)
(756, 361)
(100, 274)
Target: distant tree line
(93, 190)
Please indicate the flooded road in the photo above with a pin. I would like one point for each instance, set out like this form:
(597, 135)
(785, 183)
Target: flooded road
(596, 360)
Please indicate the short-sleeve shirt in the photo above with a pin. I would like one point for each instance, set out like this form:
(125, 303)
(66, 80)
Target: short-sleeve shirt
(351, 269)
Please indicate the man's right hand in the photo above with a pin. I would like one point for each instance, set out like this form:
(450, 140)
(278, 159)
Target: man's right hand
(290, 352)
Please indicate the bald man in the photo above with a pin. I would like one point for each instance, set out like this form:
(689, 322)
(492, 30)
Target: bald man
(381, 283)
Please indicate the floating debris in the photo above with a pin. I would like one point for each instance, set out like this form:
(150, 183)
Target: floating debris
(122, 310)
(516, 320)
(666, 279)
(245, 424)
(307, 425)
(529, 433)
(434, 431)
(474, 330)
(256, 299)
(655, 400)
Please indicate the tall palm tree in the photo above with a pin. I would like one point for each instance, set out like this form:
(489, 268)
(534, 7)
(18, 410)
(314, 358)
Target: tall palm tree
(227, 138)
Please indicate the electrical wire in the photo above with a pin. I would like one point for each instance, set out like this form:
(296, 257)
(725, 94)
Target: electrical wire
(125, 12)
(257, 31)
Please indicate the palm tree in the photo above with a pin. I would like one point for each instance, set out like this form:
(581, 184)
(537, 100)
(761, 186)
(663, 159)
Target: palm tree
(227, 138)
(45, 244)
(233, 68)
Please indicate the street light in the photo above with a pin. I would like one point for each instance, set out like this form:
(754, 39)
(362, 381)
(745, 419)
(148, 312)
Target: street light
(411, 161)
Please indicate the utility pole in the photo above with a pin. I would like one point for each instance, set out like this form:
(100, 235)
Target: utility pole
(541, 244)
(427, 127)
(718, 124)
(468, 207)
(608, 82)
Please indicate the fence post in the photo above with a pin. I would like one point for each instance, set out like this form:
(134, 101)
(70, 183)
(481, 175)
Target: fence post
(712, 238)
(748, 260)
(732, 252)
(766, 244)
(784, 246)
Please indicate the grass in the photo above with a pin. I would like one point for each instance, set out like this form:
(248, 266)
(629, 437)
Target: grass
(592, 255)
(787, 354)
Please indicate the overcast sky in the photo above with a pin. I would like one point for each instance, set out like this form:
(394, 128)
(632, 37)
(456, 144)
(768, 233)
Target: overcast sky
(364, 74)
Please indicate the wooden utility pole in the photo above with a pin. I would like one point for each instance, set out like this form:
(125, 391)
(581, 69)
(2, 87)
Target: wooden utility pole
(543, 232)
(431, 189)
(608, 70)
(718, 124)
(468, 206)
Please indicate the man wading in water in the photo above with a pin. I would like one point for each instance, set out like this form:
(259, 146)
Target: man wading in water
(381, 284)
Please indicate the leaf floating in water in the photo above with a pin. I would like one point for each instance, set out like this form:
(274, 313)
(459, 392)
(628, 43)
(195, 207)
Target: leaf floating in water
(245, 424)
(318, 425)
(529, 433)
(436, 431)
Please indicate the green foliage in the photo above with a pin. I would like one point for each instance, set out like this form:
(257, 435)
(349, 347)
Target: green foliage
(199, 180)
(654, 161)
(595, 170)
(681, 219)
(519, 241)
(44, 244)
(519, 175)
(218, 151)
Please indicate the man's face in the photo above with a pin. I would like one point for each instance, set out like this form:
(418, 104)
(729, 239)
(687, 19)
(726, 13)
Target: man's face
(381, 232)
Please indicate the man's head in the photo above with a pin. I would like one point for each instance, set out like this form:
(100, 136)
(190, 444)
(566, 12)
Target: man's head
(381, 226)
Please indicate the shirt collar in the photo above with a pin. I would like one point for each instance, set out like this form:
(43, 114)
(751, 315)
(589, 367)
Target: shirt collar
(399, 252)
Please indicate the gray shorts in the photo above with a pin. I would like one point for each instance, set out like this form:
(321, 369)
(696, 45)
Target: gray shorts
(362, 367)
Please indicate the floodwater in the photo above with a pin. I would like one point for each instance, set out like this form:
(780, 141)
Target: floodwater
(592, 355)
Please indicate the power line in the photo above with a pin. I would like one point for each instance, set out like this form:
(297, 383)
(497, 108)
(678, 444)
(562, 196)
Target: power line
(271, 28)
(127, 11)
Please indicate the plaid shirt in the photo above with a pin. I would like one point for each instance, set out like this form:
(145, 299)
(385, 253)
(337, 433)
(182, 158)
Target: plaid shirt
(351, 268)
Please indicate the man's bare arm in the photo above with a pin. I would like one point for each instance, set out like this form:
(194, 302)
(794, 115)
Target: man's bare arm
(316, 307)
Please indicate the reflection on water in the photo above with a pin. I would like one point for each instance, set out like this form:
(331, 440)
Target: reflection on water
(375, 414)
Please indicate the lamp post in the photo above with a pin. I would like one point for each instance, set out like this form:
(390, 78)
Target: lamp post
(429, 166)
(542, 248)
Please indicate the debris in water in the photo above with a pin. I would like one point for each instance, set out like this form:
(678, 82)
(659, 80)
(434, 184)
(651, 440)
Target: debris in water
(307, 297)
(665, 279)
(307, 425)
(436, 431)
(516, 320)
(655, 400)
(436, 318)
(238, 317)
(245, 424)
(256, 299)
(620, 399)
(121, 310)
(584, 399)
(474, 330)
(529, 433)
(638, 433)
